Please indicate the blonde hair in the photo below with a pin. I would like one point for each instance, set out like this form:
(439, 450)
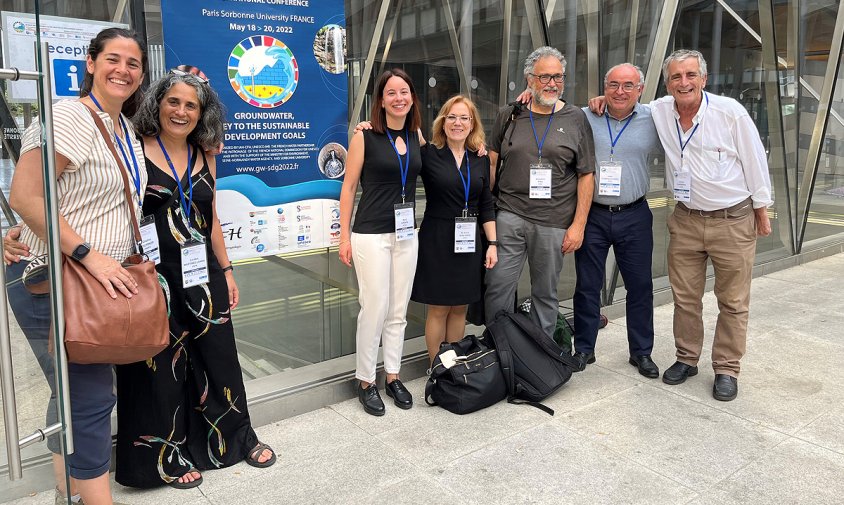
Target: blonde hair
(476, 137)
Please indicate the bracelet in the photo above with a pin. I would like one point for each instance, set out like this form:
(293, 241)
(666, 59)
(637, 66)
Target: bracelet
(493, 242)
(228, 268)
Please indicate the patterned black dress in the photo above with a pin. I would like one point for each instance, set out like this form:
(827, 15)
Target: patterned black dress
(186, 407)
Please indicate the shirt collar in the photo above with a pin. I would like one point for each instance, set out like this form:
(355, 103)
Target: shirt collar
(634, 111)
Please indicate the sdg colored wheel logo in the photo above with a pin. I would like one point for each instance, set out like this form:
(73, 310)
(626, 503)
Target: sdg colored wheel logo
(263, 71)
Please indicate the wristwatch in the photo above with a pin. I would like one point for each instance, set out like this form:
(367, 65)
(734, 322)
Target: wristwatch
(81, 251)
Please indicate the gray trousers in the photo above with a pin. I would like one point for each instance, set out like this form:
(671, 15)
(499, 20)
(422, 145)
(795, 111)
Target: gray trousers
(520, 240)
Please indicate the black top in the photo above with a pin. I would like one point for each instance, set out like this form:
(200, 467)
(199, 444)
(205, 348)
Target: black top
(444, 190)
(380, 181)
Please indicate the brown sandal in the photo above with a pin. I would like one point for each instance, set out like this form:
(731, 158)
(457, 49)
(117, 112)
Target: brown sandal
(252, 459)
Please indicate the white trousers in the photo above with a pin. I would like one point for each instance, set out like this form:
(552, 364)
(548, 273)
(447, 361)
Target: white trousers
(384, 268)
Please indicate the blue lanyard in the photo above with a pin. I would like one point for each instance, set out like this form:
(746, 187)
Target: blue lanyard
(186, 206)
(547, 127)
(680, 136)
(466, 182)
(403, 167)
(136, 175)
(614, 141)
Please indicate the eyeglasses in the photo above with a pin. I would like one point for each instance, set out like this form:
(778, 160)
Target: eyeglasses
(191, 71)
(451, 118)
(627, 86)
(546, 78)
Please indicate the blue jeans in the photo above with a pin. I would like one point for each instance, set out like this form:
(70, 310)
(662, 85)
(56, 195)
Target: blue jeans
(630, 233)
(91, 386)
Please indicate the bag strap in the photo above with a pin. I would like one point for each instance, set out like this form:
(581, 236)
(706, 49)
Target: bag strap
(516, 108)
(429, 388)
(543, 341)
(101, 126)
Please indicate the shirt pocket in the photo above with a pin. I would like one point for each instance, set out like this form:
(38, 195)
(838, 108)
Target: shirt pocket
(715, 162)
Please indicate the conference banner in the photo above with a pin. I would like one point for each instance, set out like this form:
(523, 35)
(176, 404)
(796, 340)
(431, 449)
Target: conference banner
(280, 68)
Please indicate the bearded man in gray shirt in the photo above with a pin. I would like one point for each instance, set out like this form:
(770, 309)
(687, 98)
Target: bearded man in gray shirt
(545, 185)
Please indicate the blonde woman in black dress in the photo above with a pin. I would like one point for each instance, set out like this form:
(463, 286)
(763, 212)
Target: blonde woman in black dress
(459, 202)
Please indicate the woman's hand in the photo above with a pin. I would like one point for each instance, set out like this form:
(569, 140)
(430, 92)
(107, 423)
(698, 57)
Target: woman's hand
(13, 249)
(524, 97)
(234, 293)
(482, 151)
(491, 257)
(110, 274)
(346, 252)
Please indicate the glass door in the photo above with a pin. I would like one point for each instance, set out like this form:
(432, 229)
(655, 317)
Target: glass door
(34, 423)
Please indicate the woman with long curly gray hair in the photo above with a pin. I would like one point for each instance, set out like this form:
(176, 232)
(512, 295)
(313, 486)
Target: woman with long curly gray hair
(184, 411)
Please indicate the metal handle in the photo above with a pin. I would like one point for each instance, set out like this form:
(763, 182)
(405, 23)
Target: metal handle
(7, 379)
(51, 208)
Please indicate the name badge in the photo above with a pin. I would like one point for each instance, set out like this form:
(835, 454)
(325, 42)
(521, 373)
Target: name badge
(194, 263)
(540, 180)
(149, 239)
(404, 221)
(682, 186)
(609, 178)
(465, 231)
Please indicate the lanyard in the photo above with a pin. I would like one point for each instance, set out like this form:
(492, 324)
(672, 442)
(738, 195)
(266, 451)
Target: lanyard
(614, 141)
(466, 183)
(404, 168)
(680, 136)
(136, 175)
(186, 206)
(547, 127)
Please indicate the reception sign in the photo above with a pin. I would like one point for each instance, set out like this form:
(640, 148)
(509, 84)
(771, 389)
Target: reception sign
(279, 66)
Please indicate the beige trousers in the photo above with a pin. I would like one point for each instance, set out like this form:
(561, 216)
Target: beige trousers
(730, 243)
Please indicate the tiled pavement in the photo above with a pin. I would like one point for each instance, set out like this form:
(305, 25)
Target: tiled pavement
(616, 438)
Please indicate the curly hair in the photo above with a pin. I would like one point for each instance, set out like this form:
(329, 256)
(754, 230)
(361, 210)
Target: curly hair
(475, 139)
(209, 129)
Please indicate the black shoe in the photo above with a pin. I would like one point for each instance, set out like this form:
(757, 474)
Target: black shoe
(582, 360)
(400, 395)
(646, 366)
(725, 387)
(678, 373)
(371, 400)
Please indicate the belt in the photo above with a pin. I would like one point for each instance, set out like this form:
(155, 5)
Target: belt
(618, 208)
(740, 209)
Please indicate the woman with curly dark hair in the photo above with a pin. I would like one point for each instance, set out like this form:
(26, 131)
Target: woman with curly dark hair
(185, 410)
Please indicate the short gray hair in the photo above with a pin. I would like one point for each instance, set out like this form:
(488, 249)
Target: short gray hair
(684, 54)
(639, 70)
(543, 52)
(208, 132)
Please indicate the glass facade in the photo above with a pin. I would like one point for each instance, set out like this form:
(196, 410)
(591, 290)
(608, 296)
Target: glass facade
(780, 58)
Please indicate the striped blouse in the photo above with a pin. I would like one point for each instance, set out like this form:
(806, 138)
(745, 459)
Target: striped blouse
(90, 189)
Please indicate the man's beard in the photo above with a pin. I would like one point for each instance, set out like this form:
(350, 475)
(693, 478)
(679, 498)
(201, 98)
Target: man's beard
(542, 100)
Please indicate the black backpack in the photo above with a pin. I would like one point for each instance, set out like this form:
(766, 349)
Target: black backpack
(534, 366)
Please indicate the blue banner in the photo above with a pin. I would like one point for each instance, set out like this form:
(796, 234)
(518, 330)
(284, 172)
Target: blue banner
(279, 66)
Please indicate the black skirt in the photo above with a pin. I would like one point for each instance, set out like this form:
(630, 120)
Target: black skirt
(444, 277)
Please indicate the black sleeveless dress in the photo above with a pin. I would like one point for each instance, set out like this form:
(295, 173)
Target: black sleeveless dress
(185, 407)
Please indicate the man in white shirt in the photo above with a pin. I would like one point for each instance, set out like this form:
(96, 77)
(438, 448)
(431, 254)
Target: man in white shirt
(717, 168)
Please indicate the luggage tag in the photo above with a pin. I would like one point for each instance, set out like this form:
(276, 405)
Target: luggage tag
(609, 178)
(448, 358)
(540, 180)
(194, 263)
(465, 232)
(149, 239)
(682, 186)
(404, 221)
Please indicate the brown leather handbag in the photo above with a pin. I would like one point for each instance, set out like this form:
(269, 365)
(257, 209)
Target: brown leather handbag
(99, 329)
